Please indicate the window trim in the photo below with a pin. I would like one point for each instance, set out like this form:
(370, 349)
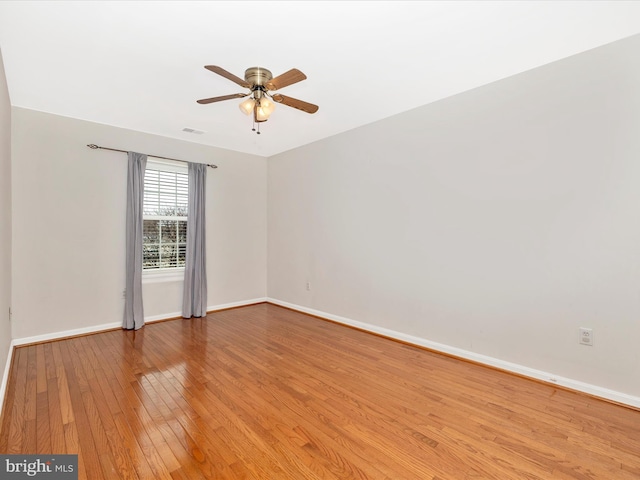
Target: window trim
(158, 275)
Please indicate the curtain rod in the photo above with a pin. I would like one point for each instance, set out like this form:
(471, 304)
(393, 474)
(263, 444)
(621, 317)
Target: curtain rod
(94, 147)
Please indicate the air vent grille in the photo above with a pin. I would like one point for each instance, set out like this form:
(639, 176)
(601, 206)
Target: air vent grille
(192, 130)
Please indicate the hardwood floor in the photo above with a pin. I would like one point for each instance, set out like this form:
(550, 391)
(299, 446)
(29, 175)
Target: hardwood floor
(262, 392)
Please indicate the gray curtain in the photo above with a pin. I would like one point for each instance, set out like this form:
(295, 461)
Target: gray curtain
(194, 302)
(133, 311)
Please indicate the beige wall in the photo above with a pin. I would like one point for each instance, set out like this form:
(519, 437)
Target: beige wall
(68, 224)
(5, 218)
(497, 221)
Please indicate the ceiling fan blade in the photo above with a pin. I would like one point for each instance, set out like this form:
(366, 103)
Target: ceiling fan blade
(295, 103)
(287, 78)
(223, 97)
(228, 75)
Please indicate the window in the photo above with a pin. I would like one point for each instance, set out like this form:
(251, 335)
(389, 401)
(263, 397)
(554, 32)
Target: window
(164, 230)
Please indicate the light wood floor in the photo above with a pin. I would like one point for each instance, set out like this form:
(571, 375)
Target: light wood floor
(262, 392)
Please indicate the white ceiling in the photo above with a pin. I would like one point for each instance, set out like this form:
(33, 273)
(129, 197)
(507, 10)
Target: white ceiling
(139, 65)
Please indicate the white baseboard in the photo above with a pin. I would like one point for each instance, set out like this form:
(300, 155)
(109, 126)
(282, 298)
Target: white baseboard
(547, 377)
(97, 329)
(5, 377)
(66, 333)
(109, 326)
(164, 316)
(214, 308)
(243, 303)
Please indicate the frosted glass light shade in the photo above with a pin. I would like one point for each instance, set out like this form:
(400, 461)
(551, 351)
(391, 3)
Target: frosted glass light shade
(246, 107)
(261, 116)
(267, 106)
(264, 109)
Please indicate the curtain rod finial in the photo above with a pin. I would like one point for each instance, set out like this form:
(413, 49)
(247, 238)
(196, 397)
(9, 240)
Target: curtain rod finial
(93, 146)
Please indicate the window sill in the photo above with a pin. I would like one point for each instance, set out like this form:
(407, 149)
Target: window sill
(158, 276)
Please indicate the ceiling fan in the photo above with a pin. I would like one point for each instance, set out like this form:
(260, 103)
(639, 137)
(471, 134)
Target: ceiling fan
(261, 83)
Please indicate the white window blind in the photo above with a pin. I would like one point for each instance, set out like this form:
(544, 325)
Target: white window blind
(166, 196)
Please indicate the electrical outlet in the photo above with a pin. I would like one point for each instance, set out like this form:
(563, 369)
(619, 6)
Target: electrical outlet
(124, 293)
(308, 286)
(586, 336)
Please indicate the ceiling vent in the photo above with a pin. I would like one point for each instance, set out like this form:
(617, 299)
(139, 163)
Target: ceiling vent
(192, 130)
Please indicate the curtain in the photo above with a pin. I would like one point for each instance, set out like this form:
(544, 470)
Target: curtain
(133, 311)
(194, 302)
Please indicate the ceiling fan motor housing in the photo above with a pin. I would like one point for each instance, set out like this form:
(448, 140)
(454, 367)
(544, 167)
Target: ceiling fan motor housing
(257, 76)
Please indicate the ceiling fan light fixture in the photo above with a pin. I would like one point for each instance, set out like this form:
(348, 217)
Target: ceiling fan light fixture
(247, 106)
(267, 106)
(261, 114)
(260, 104)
